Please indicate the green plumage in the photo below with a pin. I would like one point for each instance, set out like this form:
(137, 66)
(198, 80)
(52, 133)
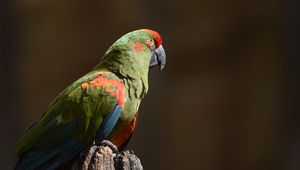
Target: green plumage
(74, 117)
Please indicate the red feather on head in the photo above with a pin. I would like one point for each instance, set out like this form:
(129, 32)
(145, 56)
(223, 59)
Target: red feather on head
(157, 37)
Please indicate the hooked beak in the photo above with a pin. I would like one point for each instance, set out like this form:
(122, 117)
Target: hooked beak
(158, 58)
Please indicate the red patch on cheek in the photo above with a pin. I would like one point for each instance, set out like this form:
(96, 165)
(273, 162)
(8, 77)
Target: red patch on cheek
(138, 47)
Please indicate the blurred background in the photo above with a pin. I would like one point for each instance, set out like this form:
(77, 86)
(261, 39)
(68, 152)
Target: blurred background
(227, 99)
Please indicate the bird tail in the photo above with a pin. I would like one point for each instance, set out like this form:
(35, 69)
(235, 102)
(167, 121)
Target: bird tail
(49, 159)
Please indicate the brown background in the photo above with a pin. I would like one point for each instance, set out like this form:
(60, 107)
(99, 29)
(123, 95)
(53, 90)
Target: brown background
(223, 102)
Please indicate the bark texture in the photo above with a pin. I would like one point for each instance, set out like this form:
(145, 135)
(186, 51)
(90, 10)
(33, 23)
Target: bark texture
(103, 158)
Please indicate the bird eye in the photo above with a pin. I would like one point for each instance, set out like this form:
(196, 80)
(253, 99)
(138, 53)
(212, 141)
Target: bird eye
(150, 43)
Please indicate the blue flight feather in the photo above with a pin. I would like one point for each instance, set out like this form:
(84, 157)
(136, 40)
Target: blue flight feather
(109, 123)
(50, 159)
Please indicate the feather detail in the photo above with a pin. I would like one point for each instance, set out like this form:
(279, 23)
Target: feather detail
(121, 137)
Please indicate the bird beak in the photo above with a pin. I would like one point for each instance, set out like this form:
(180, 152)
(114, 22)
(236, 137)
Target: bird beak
(158, 58)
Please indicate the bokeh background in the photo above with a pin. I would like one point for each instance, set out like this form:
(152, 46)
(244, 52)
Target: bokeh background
(227, 99)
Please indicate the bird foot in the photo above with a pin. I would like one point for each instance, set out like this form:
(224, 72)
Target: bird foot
(110, 145)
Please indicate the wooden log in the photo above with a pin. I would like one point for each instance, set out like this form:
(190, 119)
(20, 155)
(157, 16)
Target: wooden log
(103, 158)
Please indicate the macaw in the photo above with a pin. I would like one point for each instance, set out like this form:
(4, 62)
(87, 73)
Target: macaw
(101, 105)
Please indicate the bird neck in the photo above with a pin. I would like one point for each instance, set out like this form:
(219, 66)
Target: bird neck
(133, 72)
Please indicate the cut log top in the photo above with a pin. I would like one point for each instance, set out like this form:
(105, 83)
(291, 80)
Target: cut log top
(102, 157)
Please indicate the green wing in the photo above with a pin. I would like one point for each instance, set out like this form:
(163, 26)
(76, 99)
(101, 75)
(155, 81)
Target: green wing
(75, 114)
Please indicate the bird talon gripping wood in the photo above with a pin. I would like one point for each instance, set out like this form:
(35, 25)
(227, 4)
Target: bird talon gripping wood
(110, 145)
(102, 105)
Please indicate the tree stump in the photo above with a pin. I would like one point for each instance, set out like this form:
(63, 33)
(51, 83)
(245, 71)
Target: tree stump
(103, 158)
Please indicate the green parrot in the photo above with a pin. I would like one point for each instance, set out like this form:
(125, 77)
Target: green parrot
(102, 105)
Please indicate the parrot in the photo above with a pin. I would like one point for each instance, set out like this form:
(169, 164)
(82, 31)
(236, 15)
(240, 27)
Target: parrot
(101, 105)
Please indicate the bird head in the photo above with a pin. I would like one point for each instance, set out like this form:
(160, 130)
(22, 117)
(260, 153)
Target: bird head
(158, 56)
(134, 53)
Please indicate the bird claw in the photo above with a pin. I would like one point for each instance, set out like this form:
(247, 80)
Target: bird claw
(110, 145)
